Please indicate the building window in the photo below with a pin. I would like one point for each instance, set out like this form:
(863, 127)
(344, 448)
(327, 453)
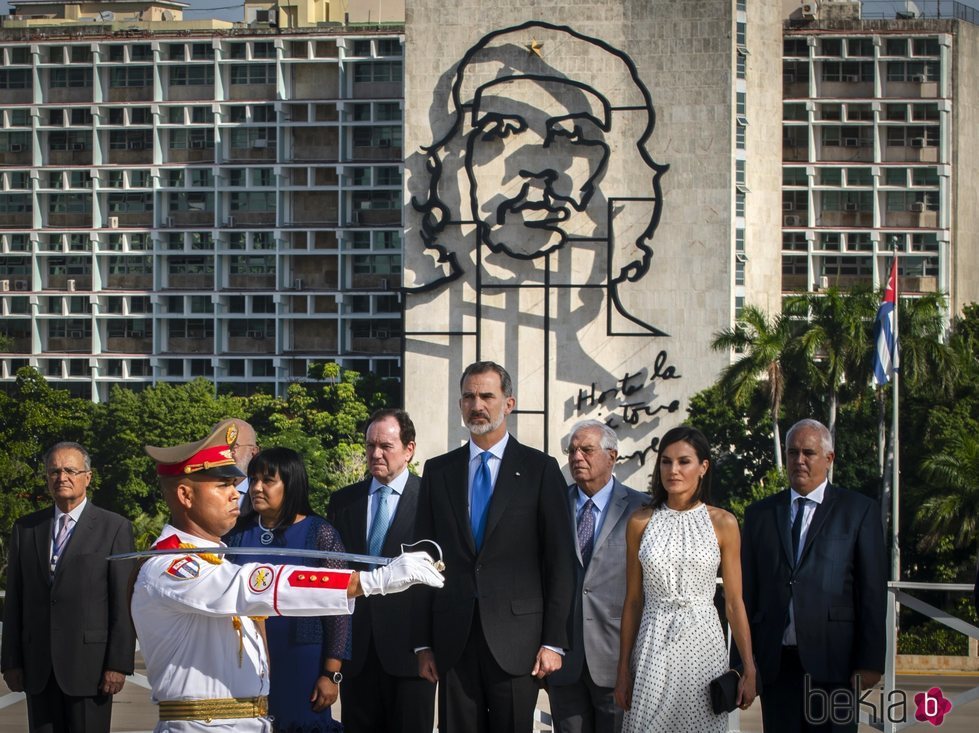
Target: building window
(378, 71)
(131, 76)
(198, 74)
(63, 78)
(253, 74)
(384, 136)
(913, 71)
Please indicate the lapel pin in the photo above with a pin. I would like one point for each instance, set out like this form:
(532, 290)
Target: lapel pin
(517, 473)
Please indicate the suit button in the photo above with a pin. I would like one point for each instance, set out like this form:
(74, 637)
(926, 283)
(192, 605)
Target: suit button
(586, 591)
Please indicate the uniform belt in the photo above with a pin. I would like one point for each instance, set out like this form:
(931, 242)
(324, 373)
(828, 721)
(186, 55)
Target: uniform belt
(216, 709)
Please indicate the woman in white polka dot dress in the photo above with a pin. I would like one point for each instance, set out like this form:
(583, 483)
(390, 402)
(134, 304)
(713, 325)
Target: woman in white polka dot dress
(672, 644)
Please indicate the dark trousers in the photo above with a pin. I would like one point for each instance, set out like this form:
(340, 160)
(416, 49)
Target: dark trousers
(584, 707)
(373, 701)
(52, 711)
(478, 696)
(790, 703)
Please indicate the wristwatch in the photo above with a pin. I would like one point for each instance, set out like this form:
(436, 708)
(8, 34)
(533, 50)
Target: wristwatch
(336, 677)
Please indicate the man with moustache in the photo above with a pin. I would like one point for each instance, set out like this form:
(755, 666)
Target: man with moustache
(581, 692)
(499, 511)
(198, 617)
(381, 690)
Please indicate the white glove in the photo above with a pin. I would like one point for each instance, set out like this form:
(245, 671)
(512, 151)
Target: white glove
(406, 570)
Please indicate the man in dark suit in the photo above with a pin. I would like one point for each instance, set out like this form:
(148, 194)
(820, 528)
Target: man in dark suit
(814, 589)
(381, 690)
(581, 692)
(499, 511)
(67, 638)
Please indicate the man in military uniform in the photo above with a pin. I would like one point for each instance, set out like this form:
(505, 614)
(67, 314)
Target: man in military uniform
(195, 613)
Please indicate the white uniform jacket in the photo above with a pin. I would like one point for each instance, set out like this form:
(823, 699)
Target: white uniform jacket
(183, 608)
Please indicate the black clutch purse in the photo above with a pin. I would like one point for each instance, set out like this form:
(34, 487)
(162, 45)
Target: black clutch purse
(724, 690)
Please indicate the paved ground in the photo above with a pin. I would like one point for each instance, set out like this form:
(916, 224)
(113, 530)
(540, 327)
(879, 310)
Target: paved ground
(133, 712)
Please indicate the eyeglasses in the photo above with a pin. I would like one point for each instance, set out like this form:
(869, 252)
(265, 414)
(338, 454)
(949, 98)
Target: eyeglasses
(69, 472)
(585, 450)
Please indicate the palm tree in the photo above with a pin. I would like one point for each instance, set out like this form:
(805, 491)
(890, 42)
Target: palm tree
(925, 356)
(952, 509)
(836, 339)
(764, 346)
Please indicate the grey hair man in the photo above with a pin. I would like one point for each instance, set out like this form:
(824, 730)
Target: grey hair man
(599, 507)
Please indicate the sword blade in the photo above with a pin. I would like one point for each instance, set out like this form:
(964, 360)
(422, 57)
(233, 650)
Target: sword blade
(265, 551)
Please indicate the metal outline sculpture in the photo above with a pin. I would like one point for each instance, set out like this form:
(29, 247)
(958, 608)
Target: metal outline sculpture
(436, 215)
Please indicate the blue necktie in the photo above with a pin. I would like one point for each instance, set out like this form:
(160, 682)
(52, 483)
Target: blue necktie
(482, 490)
(382, 518)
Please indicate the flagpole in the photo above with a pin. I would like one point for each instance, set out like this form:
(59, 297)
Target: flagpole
(895, 440)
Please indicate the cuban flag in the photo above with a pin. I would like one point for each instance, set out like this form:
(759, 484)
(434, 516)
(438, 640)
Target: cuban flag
(885, 346)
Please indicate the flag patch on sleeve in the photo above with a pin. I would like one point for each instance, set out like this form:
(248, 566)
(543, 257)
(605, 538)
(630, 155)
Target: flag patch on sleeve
(184, 568)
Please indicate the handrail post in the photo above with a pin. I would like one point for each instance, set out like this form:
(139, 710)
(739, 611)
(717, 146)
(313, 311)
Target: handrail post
(890, 656)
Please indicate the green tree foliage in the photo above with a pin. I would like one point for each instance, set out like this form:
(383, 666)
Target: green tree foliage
(323, 419)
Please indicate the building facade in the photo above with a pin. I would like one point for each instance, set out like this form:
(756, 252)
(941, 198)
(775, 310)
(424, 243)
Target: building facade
(879, 115)
(185, 198)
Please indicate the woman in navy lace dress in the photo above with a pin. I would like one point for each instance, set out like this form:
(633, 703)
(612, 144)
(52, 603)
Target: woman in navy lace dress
(305, 654)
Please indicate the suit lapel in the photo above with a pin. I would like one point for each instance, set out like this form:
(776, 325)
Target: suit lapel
(506, 485)
(823, 510)
(358, 519)
(614, 510)
(457, 478)
(81, 537)
(42, 544)
(404, 517)
(573, 511)
(782, 525)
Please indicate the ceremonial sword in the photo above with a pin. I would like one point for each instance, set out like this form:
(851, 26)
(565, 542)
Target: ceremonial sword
(281, 552)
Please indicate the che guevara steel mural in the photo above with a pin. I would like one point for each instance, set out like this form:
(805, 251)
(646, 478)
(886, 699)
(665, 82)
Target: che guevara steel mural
(539, 178)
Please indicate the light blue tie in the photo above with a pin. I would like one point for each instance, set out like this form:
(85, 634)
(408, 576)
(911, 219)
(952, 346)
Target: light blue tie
(482, 491)
(382, 518)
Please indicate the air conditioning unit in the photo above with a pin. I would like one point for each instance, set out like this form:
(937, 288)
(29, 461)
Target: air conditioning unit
(78, 146)
(4, 286)
(823, 282)
(809, 10)
(788, 205)
(260, 144)
(135, 144)
(255, 335)
(792, 221)
(71, 285)
(16, 148)
(918, 142)
(197, 144)
(851, 77)
(920, 78)
(851, 206)
(917, 206)
(75, 334)
(298, 283)
(20, 284)
(851, 142)
(382, 334)
(113, 222)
